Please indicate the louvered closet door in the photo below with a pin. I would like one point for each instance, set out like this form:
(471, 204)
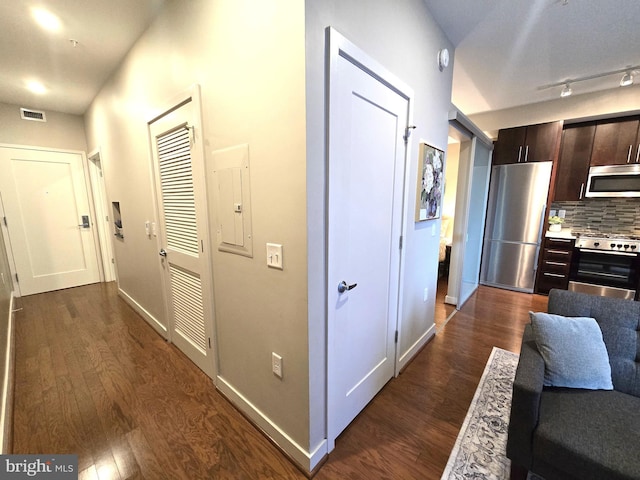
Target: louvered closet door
(180, 185)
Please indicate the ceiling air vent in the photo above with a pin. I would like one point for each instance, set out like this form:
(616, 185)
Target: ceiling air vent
(34, 115)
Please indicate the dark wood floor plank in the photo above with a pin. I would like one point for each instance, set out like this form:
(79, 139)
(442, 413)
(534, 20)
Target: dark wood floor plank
(93, 378)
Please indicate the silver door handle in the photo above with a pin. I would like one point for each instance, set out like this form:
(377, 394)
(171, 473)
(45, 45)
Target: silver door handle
(162, 252)
(343, 287)
(85, 222)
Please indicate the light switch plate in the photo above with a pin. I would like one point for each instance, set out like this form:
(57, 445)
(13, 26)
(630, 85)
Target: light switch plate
(276, 364)
(274, 255)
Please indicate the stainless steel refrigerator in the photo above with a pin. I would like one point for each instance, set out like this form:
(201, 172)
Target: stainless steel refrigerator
(515, 219)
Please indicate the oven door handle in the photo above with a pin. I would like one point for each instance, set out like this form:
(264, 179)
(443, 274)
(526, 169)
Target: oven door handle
(609, 252)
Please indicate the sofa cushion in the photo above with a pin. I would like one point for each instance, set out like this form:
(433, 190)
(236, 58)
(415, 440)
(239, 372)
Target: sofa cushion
(619, 321)
(573, 350)
(589, 434)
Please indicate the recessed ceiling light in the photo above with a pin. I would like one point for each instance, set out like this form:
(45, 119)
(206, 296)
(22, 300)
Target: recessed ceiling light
(36, 87)
(46, 19)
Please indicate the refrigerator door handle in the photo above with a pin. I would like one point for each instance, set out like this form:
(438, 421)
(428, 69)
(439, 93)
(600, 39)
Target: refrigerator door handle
(544, 210)
(535, 262)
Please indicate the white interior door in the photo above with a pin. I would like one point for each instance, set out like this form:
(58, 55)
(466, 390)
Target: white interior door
(367, 121)
(180, 189)
(47, 209)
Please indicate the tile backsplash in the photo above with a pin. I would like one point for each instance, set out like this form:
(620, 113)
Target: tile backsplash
(619, 216)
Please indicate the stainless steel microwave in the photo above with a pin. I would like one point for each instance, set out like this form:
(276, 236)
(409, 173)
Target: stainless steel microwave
(614, 181)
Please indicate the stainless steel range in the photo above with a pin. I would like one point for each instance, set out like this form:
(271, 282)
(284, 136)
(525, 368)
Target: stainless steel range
(606, 265)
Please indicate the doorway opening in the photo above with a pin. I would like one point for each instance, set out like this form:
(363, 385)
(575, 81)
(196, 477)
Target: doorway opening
(446, 308)
(464, 209)
(100, 205)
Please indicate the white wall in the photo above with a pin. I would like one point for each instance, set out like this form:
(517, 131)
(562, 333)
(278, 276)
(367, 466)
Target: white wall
(607, 103)
(7, 352)
(451, 179)
(404, 38)
(61, 130)
(248, 58)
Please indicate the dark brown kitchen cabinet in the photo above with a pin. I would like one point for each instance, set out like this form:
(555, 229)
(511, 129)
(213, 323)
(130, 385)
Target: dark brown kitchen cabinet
(508, 147)
(555, 264)
(616, 142)
(533, 143)
(573, 162)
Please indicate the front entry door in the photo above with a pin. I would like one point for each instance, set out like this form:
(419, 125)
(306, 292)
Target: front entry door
(367, 121)
(47, 212)
(179, 170)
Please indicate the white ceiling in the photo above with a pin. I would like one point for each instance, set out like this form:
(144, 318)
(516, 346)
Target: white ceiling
(105, 30)
(507, 49)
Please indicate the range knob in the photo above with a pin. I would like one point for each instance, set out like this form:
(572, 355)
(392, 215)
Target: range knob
(633, 247)
(596, 244)
(626, 246)
(613, 245)
(619, 245)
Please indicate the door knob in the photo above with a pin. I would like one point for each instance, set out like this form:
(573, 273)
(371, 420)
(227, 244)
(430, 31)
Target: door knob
(343, 287)
(162, 252)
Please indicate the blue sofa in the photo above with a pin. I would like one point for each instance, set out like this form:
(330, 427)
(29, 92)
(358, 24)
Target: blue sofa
(568, 433)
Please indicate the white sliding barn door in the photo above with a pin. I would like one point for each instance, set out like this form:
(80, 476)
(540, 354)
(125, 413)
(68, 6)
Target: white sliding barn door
(179, 168)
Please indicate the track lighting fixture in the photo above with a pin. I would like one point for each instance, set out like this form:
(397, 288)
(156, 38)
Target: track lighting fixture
(627, 79)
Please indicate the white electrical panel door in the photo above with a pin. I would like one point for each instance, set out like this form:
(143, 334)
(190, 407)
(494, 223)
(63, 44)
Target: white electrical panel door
(228, 178)
(230, 205)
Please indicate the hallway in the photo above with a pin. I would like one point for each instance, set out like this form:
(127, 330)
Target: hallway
(93, 378)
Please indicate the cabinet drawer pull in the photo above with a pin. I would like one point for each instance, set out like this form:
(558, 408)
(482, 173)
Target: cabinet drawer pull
(629, 153)
(582, 186)
(519, 153)
(638, 153)
(558, 264)
(554, 275)
(559, 252)
(526, 153)
(562, 240)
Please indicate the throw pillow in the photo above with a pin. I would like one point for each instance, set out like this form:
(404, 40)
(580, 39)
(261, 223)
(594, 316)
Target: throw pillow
(573, 350)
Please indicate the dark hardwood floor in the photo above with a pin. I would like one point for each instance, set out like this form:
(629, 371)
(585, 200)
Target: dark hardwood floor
(93, 378)
(443, 310)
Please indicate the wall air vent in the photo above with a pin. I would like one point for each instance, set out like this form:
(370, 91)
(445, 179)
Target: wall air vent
(35, 115)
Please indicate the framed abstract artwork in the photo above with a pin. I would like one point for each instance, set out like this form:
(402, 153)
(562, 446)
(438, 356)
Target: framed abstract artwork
(430, 183)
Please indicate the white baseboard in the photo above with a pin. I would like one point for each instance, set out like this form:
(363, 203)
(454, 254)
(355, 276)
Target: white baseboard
(416, 347)
(151, 320)
(6, 409)
(306, 460)
(451, 300)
